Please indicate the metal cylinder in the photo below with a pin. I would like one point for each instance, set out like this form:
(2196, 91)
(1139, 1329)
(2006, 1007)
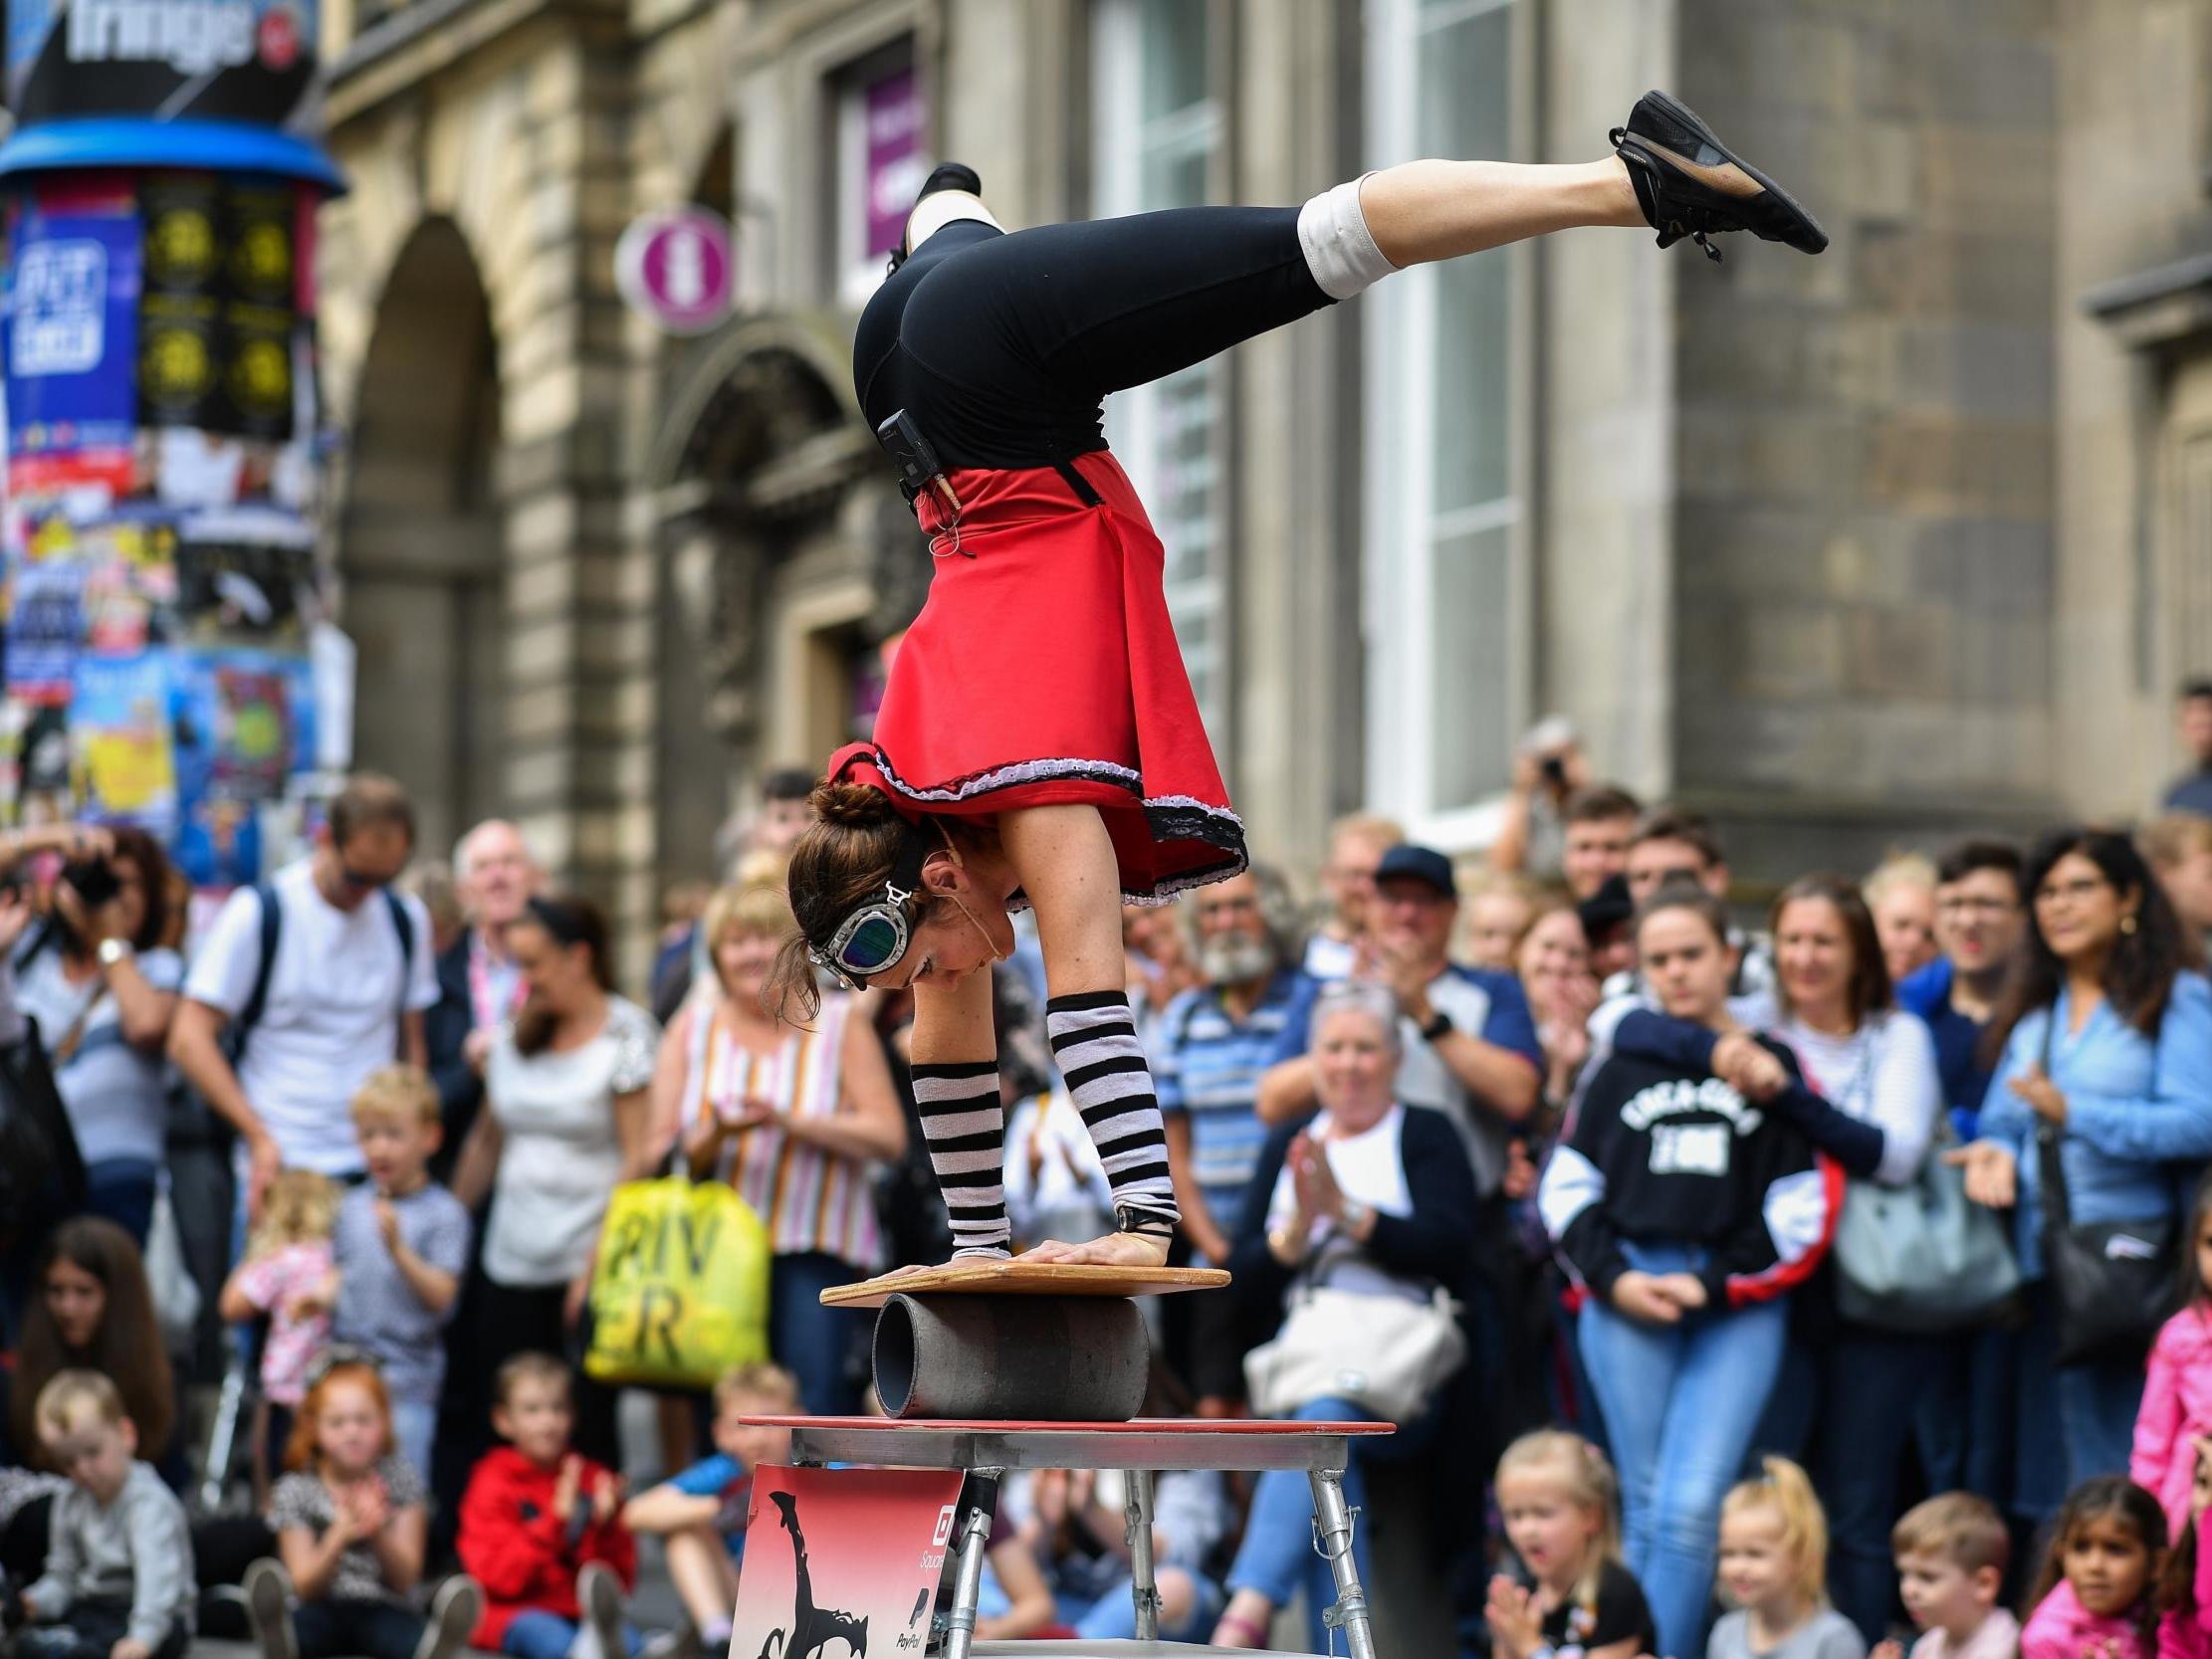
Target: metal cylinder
(1012, 1359)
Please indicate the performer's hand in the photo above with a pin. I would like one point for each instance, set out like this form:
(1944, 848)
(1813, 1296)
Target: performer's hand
(1140, 1250)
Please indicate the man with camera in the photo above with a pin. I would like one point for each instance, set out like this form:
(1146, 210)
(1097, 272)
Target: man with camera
(342, 993)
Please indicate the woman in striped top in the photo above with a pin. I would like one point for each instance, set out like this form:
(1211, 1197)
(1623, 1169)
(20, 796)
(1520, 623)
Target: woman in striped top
(791, 1117)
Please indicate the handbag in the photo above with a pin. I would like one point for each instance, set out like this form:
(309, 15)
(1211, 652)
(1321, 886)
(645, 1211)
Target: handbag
(2111, 1282)
(42, 1173)
(680, 1287)
(1921, 1258)
(1384, 1353)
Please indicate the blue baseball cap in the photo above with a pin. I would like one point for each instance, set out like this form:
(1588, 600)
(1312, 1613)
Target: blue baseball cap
(1407, 862)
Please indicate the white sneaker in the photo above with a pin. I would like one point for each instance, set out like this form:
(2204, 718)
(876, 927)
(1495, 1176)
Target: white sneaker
(600, 1597)
(453, 1614)
(268, 1590)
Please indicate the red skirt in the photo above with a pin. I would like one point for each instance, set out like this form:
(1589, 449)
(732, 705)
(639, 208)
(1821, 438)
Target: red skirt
(1043, 671)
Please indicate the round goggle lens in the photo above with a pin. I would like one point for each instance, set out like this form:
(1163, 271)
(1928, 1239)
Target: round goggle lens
(874, 945)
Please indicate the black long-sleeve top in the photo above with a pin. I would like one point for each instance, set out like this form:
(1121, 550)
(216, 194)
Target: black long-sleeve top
(1661, 1153)
(1853, 1143)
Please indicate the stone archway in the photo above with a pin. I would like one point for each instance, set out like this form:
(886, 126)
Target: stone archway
(419, 542)
(786, 559)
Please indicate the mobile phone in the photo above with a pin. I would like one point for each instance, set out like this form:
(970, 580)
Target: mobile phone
(910, 452)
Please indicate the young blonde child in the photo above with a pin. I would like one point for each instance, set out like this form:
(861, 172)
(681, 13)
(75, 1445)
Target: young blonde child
(288, 1274)
(119, 1580)
(1573, 1599)
(1951, 1551)
(1774, 1571)
(2096, 1592)
(700, 1514)
(350, 1520)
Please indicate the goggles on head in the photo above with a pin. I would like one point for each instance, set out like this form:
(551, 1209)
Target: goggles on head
(874, 937)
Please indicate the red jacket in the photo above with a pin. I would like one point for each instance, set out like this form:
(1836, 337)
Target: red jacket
(514, 1546)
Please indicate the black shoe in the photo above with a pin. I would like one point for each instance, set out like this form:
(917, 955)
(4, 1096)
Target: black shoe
(1690, 184)
(950, 175)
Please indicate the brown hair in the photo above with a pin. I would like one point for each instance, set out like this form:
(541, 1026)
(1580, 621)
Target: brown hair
(1964, 1529)
(371, 800)
(1600, 804)
(1868, 987)
(1682, 893)
(527, 1366)
(126, 1344)
(1665, 824)
(569, 920)
(2109, 1497)
(301, 1452)
(136, 846)
(857, 840)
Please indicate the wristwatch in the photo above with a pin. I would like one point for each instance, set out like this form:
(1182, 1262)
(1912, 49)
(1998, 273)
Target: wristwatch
(1440, 1022)
(114, 951)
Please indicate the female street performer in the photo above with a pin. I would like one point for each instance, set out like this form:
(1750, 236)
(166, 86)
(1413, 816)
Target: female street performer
(1038, 742)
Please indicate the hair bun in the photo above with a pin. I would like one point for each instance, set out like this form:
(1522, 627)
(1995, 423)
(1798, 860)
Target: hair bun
(852, 805)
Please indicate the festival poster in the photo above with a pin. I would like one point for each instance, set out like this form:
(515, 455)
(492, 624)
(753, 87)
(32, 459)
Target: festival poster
(42, 762)
(131, 582)
(847, 1557)
(46, 627)
(124, 768)
(243, 571)
(72, 333)
(180, 313)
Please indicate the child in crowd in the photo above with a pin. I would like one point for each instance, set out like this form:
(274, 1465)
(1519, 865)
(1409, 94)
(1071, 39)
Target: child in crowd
(402, 1244)
(1071, 1521)
(2094, 1593)
(2185, 1582)
(542, 1527)
(1951, 1550)
(119, 1580)
(700, 1514)
(288, 1274)
(350, 1520)
(1560, 1502)
(1774, 1567)
(2177, 1389)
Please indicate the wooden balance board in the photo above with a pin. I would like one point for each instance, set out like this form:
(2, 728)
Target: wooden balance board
(996, 1278)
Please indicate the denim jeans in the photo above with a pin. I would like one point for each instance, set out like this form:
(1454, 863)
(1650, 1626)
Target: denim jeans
(537, 1634)
(817, 1344)
(1112, 1617)
(414, 1429)
(1681, 1404)
(1867, 1384)
(1277, 1556)
(331, 1628)
(120, 1189)
(2094, 1405)
(1965, 1420)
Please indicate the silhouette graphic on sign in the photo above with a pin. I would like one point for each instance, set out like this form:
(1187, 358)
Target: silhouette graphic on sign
(812, 1627)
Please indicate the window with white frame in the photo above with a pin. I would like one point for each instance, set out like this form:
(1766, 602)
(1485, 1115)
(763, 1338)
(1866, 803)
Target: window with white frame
(1446, 588)
(1156, 136)
(880, 164)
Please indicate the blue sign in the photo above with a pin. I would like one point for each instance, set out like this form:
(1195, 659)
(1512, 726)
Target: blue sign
(73, 331)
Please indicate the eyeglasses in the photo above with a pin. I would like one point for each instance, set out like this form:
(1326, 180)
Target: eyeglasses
(2089, 886)
(869, 940)
(360, 882)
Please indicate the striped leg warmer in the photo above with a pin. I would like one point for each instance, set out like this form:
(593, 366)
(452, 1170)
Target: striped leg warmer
(965, 1124)
(1094, 1042)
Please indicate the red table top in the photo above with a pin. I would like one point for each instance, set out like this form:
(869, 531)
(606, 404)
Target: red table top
(1228, 1427)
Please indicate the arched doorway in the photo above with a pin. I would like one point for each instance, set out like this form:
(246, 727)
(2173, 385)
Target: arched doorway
(788, 559)
(419, 540)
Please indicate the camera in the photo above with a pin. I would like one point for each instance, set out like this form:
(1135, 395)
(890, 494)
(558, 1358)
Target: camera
(94, 878)
(1554, 769)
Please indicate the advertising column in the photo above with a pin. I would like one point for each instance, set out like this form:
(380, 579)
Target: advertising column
(164, 607)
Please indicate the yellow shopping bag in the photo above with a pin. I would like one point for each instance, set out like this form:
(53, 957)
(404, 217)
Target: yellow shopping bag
(680, 1292)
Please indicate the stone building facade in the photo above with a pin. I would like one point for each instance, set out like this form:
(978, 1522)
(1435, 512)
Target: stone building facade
(1843, 550)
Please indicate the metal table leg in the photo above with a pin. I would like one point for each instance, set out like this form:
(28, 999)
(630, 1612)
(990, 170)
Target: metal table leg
(975, 1537)
(1332, 1526)
(1136, 1509)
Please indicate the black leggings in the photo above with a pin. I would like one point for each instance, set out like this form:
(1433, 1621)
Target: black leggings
(1025, 333)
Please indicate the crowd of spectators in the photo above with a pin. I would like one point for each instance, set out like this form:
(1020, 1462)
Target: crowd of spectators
(1599, 1144)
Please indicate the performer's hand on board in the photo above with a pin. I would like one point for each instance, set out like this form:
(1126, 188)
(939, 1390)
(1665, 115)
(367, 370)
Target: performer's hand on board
(1114, 1250)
